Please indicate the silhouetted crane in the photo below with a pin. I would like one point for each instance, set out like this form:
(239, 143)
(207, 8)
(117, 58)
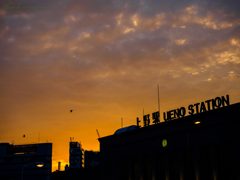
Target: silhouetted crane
(98, 133)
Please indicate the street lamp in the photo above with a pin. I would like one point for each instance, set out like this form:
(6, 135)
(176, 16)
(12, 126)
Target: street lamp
(38, 164)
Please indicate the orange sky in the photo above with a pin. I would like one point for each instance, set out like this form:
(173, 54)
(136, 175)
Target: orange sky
(104, 60)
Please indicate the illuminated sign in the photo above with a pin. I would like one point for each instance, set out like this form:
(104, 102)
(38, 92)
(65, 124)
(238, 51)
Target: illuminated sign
(196, 108)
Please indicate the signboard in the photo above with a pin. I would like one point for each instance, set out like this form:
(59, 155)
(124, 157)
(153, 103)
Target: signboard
(196, 108)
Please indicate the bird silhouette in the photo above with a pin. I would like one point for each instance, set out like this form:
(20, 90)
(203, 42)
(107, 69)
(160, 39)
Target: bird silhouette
(24, 135)
(71, 110)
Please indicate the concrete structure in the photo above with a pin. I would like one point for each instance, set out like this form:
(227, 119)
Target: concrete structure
(14, 157)
(203, 146)
(180, 149)
(76, 155)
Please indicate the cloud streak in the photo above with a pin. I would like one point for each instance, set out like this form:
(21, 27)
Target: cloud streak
(104, 59)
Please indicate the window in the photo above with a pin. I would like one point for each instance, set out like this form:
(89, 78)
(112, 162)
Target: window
(206, 172)
(173, 166)
(136, 169)
(223, 162)
(147, 168)
(160, 167)
(124, 175)
(189, 168)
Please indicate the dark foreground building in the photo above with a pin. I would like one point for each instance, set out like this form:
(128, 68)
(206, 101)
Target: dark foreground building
(14, 157)
(202, 146)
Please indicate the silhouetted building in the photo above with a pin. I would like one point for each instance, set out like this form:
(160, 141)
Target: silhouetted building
(14, 157)
(76, 155)
(91, 158)
(66, 167)
(91, 170)
(203, 146)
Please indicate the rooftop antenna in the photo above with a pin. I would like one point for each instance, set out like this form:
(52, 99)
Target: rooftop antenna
(98, 133)
(158, 103)
(38, 137)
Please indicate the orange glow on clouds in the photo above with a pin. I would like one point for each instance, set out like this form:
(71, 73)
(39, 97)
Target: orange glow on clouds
(104, 63)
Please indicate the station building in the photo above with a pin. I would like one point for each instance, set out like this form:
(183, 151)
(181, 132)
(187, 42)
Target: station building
(19, 161)
(201, 146)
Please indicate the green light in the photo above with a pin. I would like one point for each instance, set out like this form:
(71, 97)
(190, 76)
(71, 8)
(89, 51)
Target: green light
(164, 142)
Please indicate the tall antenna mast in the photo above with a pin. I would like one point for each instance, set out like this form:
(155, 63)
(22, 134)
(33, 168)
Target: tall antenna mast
(158, 103)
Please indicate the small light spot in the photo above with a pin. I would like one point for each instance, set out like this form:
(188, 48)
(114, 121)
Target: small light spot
(164, 142)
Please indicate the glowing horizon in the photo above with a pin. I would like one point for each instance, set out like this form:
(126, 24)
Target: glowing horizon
(105, 60)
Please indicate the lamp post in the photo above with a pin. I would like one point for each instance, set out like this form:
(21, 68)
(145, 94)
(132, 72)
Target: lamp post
(38, 164)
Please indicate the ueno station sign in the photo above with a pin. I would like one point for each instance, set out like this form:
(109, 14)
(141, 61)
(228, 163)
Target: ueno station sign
(196, 108)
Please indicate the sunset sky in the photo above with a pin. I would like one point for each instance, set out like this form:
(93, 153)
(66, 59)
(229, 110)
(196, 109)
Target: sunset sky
(105, 59)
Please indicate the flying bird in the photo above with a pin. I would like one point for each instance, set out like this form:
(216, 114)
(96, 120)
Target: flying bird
(24, 135)
(71, 110)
